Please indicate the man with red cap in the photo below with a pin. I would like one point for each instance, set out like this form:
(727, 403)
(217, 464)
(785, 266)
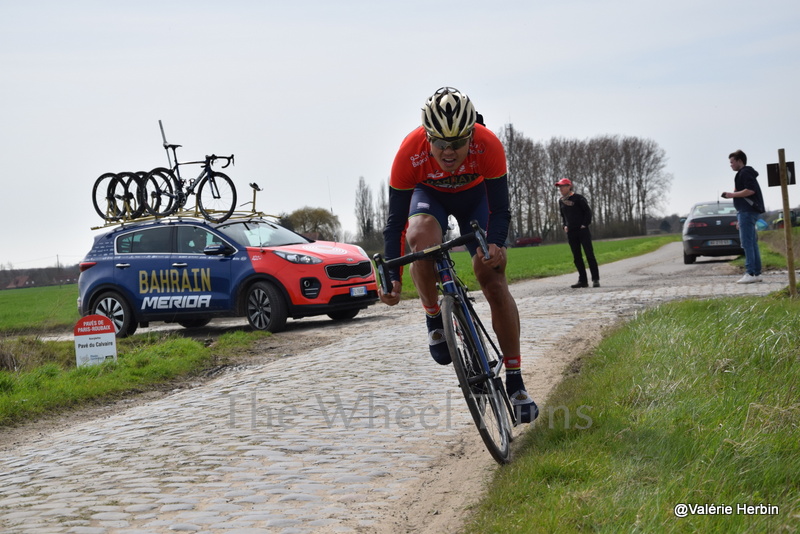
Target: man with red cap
(577, 216)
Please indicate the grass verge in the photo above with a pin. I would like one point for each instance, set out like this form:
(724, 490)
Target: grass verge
(693, 402)
(47, 381)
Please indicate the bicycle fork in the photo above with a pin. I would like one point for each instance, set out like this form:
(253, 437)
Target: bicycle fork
(450, 287)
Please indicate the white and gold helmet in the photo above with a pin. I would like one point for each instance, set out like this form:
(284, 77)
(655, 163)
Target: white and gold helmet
(448, 114)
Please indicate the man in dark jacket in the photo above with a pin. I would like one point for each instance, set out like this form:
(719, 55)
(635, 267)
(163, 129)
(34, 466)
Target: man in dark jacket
(749, 204)
(577, 216)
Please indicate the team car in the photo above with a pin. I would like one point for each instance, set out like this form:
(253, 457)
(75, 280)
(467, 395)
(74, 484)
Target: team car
(710, 230)
(188, 271)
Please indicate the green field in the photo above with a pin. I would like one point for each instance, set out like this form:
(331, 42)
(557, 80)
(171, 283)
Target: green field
(551, 260)
(43, 309)
(38, 309)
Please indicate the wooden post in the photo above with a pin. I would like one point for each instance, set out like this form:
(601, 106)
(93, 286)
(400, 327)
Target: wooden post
(787, 223)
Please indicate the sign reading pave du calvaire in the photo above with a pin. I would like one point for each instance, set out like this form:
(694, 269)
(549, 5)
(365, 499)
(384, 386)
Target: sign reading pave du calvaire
(95, 340)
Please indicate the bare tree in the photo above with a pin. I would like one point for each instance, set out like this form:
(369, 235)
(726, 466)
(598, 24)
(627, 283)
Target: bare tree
(382, 207)
(365, 213)
(623, 178)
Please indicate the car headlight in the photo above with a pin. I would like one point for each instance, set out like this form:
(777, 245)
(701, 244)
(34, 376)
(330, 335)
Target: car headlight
(293, 257)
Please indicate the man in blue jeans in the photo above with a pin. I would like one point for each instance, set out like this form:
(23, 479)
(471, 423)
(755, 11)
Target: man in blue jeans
(749, 204)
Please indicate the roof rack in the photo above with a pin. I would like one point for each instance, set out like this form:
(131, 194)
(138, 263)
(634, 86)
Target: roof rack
(193, 214)
(184, 215)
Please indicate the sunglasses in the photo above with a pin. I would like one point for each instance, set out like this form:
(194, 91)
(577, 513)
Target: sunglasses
(455, 144)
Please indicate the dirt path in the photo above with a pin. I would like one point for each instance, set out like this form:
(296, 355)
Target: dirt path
(331, 434)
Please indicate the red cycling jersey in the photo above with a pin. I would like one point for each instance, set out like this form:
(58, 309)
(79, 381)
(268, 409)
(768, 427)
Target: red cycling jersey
(414, 164)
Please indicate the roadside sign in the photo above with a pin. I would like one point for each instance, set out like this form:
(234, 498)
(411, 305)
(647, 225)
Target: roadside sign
(785, 177)
(774, 174)
(95, 340)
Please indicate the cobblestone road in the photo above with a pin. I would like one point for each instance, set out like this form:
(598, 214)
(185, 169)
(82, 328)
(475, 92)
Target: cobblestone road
(324, 440)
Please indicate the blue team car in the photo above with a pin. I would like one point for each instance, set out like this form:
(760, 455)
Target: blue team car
(188, 271)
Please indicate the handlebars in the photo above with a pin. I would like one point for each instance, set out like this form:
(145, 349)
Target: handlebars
(213, 157)
(382, 266)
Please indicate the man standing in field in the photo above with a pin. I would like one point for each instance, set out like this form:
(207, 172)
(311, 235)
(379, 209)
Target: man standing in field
(749, 204)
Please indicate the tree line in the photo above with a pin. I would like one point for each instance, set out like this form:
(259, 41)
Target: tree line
(623, 178)
(16, 278)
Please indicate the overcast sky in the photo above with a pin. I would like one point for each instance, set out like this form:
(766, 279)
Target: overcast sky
(312, 95)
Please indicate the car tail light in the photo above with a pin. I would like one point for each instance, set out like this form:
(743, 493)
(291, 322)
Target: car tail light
(697, 225)
(734, 223)
(87, 265)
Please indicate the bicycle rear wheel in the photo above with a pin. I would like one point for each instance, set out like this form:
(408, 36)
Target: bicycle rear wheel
(216, 197)
(484, 394)
(160, 196)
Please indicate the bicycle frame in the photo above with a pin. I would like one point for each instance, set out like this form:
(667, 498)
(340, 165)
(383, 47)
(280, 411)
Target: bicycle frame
(176, 167)
(449, 284)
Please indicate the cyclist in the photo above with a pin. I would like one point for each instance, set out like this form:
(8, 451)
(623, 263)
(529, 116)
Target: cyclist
(453, 165)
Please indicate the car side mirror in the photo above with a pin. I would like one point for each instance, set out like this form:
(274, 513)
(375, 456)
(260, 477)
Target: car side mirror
(218, 249)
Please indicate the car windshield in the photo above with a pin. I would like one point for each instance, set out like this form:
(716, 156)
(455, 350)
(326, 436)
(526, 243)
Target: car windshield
(261, 234)
(703, 210)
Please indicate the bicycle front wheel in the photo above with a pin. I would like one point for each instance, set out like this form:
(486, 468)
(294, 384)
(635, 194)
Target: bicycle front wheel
(216, 197)
(483, 393)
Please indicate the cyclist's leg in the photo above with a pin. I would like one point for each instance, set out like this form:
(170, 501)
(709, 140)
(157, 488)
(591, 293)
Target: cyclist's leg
(505, 315)
(472, 205)
(426, 221)
(506, 326)
(423, 232)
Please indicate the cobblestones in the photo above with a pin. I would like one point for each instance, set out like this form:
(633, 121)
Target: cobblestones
(322, 441)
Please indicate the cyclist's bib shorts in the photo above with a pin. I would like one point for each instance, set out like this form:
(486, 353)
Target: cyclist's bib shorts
(465, 206)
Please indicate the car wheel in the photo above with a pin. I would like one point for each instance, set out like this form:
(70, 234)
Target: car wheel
(266, 309)
(195, 323)
(688, 259)
(344, 315)
(112, 305)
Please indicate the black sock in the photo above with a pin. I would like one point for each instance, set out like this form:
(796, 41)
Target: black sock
(514, 381)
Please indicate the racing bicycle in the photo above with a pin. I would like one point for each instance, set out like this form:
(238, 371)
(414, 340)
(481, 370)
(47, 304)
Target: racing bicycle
(166, 191)
(476, 359)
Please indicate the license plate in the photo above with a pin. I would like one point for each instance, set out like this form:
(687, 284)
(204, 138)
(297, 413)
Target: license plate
(359, 291)
(719, 242)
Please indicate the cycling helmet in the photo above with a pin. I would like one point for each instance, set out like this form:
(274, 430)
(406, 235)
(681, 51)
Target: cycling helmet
(448, 114)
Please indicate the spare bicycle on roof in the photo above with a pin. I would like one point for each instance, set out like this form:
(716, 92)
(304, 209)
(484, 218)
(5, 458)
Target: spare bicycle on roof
(126, 196)
(166, 191)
